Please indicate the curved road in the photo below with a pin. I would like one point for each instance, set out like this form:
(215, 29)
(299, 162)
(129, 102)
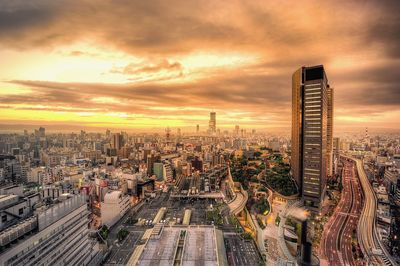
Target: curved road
(366, 230)
(290, 207)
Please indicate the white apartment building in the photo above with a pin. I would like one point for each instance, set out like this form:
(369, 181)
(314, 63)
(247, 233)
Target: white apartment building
(115, 205)
(61, 236)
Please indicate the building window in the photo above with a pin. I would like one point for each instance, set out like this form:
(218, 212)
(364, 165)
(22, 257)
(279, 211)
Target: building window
(4, 218)
(21, 211)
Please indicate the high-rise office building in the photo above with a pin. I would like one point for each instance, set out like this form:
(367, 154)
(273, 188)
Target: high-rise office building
(329, 145)
(312, 124)
(117, 141)
(237, 130)
(213, 122)
(42, 132)
(335, 152)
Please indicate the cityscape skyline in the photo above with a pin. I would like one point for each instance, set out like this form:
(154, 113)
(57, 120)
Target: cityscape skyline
(173, 77)
(218, 133)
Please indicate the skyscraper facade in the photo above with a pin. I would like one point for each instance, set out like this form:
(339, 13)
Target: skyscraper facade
(329, 146)
(117, 141)
(213, 122)
(312, 124)
(237, 130)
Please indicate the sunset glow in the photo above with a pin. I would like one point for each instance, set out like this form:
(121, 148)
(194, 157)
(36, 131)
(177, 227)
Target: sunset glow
(154, 65)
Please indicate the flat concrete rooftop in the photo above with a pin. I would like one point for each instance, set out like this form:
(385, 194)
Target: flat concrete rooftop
(199, 247)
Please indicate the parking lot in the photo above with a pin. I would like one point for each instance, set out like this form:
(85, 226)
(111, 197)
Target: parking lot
(241, 252)
(175, 209)
(121, 252)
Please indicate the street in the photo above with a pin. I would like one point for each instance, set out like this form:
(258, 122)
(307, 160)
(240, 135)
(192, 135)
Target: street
(336, 242)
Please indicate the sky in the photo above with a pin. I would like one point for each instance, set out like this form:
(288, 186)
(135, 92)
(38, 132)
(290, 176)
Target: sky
(138, 64)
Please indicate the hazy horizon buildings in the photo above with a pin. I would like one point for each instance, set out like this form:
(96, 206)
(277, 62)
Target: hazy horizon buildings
(312, 124)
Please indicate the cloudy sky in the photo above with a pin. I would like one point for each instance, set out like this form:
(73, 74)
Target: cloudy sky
(152, 64)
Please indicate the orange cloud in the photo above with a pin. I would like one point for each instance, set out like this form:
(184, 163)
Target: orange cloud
(157, 62)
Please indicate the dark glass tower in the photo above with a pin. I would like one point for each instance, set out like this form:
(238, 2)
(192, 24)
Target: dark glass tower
(312, 123)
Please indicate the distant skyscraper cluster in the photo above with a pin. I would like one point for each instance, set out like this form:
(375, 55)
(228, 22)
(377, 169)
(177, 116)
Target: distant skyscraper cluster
(312, 140)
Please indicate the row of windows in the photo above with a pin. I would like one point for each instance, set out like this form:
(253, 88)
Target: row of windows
(312, 155)
(313, 164)
(309, 97)
(43, 243)
(311, 192)
(312, 185)
(314, 174)
(310, 106)
(313, 108)
(312, 98)
(311, 101)
(312, 87)
(312, 112)
(312, 93)
(314, 104)
(313, 151)
(310, 169)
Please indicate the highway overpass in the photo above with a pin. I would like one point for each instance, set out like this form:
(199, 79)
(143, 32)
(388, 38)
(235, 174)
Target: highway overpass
(367, 231)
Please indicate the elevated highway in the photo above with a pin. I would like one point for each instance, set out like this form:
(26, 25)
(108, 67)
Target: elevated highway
(366, 229)
(239, 203)
(241, 196)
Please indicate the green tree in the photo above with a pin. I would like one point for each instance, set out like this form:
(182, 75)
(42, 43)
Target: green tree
(122, 234)
(104, 232)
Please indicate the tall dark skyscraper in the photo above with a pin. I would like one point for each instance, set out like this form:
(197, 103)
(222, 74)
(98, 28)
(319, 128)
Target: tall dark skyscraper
(213, 122)
(312, 124)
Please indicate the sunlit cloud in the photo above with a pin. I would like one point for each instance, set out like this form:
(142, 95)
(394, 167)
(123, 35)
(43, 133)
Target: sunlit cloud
(155, 64)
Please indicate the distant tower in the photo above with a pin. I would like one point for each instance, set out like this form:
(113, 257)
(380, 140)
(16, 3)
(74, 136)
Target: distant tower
(367, 139)
(42, 132)
(117, 141)
(197, 129)
(167, 133)
(213, 122)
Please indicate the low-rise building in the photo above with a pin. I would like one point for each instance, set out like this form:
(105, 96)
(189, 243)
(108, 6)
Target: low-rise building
(114, 206)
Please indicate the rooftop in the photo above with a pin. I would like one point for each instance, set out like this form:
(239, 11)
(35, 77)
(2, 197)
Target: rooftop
(199, 247)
